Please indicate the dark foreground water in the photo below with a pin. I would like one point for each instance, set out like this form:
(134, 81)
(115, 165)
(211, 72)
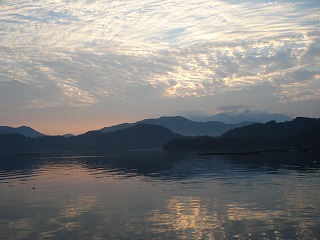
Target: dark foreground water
(157, 195)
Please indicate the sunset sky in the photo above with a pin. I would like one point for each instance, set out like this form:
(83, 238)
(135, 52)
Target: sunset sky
(69, 66)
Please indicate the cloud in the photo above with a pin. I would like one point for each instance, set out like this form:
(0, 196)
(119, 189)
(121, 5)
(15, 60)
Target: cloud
(233, 108)
(92, 51)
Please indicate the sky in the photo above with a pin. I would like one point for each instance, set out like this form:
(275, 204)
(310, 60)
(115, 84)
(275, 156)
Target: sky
(69, 66)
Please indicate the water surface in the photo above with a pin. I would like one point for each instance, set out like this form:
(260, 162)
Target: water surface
(159, 195)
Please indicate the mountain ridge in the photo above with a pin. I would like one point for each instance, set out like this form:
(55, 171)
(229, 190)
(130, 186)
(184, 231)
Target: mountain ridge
(137, 137)
(23, 130)
(182, 125)
(298, 133)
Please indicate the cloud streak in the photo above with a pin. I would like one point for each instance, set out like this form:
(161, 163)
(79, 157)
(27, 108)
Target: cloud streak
(79, 53)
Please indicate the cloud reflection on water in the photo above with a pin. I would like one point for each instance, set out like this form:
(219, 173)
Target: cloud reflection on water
(99, 198)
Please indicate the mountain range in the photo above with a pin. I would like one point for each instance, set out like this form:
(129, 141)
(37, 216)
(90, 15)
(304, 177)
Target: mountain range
(298, 133)
(139, 136)
(195, 126)
(183, 126)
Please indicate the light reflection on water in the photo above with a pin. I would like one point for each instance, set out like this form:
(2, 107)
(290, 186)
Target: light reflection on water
(157, 195)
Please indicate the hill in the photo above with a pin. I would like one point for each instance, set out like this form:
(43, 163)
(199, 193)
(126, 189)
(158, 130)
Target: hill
(183, 126)
(299, 133)
(23, 130)
(139, 136)
(116, 127)
(297, 127)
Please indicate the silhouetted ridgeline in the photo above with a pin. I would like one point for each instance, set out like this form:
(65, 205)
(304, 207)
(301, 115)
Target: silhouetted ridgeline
(183, 126)
(140, 136)
(301, 132)
(297, 127)
(23, 130)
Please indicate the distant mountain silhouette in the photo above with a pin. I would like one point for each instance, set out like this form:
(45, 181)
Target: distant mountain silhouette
(246, 115)
(296, 127)
(23, 130)
(116, 127)
(139, 136)
(301, 132)
(183, 126)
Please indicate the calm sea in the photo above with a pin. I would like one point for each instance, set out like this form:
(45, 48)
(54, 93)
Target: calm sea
(159, 195)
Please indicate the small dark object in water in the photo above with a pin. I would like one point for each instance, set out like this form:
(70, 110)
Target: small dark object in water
(33, 188)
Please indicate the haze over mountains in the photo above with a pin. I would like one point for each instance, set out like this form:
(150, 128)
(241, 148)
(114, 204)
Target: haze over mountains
(246, 115)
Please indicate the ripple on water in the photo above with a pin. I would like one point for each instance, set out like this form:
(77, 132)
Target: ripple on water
(177, 198)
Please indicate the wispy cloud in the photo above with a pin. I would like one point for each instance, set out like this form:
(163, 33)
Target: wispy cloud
(81, 52)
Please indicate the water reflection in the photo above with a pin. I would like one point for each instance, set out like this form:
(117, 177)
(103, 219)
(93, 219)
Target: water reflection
(161, 165)
(157, 195)
(198, 218)
(188, 217)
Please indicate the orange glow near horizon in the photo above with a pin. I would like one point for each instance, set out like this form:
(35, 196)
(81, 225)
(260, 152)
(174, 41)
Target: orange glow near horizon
(70, 126)
(53, 129)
